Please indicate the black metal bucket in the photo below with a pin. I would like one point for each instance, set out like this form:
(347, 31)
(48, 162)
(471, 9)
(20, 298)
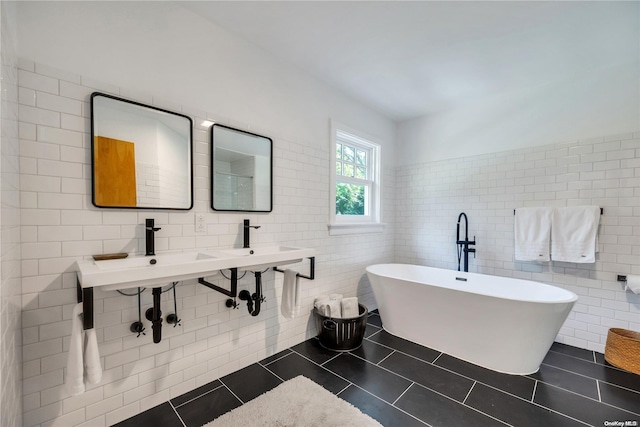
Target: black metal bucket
(341, 334)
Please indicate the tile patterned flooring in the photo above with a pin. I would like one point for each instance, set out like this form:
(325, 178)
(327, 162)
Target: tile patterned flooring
(403, 384)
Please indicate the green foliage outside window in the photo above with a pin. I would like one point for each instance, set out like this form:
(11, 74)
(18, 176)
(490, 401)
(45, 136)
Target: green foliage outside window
(349, 199)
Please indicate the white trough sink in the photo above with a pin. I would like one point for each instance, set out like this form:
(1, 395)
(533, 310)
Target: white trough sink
(262, 257)
(162, 269)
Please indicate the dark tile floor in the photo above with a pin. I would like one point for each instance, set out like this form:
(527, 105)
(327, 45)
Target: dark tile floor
(403, 384)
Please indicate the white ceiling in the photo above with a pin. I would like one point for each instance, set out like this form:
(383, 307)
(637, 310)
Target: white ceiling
(409, 59)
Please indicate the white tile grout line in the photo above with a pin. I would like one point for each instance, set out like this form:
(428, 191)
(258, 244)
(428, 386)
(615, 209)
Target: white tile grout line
(279, 358)
(273, 373)
(487, 385)
(464, 402)
(598, 387)
(414, 357)
(179, 417)
(592, 378)
(535, 387)
(393, 406)
(435, 391)
(231, 391)
(386, 357)
(402, 394)
(200, 395)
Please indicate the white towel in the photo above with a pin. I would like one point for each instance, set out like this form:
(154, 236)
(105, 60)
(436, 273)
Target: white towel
(333, 309)
(320, 303)
(82, 359)
(75, 370)
(573, 234)
(349, 307)
(532, 232)
(93, 368)
(290, 306)
(335, 297)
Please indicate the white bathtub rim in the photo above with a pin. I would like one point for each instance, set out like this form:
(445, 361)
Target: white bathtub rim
(570, 296)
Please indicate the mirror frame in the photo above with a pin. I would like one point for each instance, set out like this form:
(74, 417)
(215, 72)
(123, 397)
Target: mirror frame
(151, 109)
(212, 182)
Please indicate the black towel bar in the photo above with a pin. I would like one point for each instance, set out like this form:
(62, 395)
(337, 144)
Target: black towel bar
(85, 296)
(312, 270)
(601, 211)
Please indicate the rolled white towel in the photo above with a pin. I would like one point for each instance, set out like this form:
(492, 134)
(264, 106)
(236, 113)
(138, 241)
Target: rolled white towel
(334, 309)
(320, 300)
(320, 303)
(93, 368)
(349, 307)
(74, 381)
(335, 297)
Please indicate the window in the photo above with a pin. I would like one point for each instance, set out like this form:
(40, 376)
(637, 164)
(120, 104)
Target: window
(355, 183)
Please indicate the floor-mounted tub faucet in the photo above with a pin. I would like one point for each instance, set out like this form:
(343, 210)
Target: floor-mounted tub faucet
(247, 227)
(150, 232)
(463, 245)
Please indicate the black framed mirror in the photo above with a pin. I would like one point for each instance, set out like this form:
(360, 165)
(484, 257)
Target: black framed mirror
(241, 170)
(141, 156)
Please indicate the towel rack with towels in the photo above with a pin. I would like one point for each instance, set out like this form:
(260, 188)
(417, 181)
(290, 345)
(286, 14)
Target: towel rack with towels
(601, 211)
(85, 296)
(312, 269)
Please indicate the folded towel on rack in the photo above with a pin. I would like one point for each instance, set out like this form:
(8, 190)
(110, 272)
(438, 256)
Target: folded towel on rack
(74, 382)
(532, 232)
(573, 234)
(92, 365)
(290, 306)
(349, 307)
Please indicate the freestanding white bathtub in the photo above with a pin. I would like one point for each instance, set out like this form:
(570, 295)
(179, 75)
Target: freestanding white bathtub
(503, 324)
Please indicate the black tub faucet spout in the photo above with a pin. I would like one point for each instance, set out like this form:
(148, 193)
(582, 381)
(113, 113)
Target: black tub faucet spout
(463, 245)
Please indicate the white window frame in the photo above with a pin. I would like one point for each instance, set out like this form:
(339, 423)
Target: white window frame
(352, 224)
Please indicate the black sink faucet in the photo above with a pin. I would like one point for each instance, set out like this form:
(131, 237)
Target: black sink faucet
(247, 226)
(150, 231)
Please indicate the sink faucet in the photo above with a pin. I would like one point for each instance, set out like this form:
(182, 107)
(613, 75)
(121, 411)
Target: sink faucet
(463, 245)
(150, 231)
(247, 226)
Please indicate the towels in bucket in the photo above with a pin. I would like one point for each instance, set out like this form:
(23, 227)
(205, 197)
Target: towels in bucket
(336, 306)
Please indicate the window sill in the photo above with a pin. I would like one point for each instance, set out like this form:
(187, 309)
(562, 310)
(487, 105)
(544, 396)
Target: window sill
(354, 228)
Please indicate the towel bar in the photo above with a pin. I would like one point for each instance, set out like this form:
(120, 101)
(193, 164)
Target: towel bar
(601, 211)
(85, 296)
(233, 292)
(312, 270)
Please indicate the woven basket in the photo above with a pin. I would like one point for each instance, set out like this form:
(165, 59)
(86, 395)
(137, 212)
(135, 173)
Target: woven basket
(623, 349)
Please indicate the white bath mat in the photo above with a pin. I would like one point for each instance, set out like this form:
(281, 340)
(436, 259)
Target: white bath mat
(297, 402)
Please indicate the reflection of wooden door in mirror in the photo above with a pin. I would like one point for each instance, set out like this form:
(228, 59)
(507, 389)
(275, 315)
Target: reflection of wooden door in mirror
(114, 172)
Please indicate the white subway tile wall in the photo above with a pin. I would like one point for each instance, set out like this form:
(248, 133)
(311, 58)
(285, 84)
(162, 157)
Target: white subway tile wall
(601, 171)
(60, 225)
(10, 267)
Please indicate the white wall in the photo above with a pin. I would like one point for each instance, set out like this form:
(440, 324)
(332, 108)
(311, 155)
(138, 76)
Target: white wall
(603, 171)
(10, 292)
(159, 54)
(598, 102)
